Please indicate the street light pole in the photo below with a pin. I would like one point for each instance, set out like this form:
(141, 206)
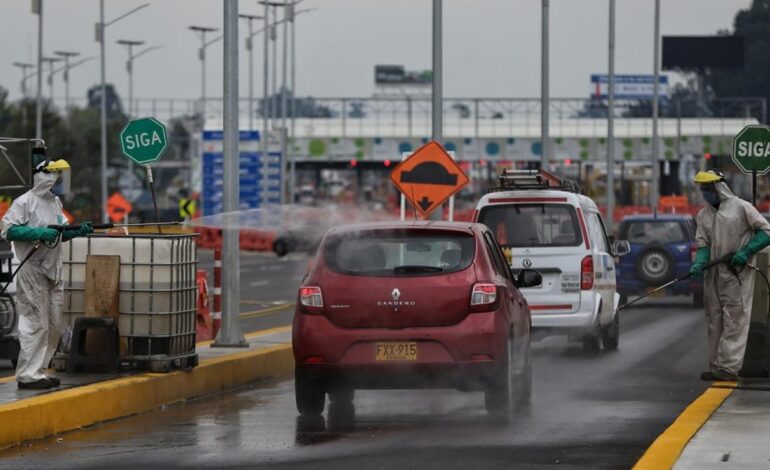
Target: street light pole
(655, 98)
(545, 146)
(130, 69)
(249, 47)
(37, 7)
(202, 31)
(24, 76)
(284, 143)
(50, 61)
(101, 38)
(611, 121)
(230, 334)
(66, 55)
(437, 133)
(274, 81)
(292, 162)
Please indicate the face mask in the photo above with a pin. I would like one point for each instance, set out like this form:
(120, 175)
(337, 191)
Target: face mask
(711, 197)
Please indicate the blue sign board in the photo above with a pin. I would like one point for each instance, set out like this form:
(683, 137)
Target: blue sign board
(251, 176)
(629, 87)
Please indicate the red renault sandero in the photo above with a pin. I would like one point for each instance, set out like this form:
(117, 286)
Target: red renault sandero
(406, 305)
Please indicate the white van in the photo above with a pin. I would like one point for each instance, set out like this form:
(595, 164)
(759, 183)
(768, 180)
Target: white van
(543, 223)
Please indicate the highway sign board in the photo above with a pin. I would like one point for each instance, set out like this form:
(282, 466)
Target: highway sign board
(629, 87)
(144, 140)
(187, 208)
(428, 177)
(751, 149)
(118, 207)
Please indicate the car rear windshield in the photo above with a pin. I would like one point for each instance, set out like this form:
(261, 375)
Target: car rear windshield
(533, 224)
(659, 231)
(399, 253)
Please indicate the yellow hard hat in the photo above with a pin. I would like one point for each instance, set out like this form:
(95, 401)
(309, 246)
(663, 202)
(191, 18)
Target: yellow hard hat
(50, 166)
(709, 177)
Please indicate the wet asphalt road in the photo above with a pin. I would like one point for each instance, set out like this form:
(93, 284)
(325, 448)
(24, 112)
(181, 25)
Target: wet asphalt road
(589, 412)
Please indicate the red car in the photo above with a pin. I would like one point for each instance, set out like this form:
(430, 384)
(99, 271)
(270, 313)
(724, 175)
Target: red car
(403, 305)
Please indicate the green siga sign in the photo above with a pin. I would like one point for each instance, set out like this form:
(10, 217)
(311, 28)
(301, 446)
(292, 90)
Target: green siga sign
(143, 140)
(751, 149)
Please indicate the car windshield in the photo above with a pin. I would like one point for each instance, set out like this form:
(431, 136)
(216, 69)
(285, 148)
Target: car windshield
(399, 253)
(657, 231)
(533, 224)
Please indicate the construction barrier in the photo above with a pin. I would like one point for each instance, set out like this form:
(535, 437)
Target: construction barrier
(216, 314)
(203, 323)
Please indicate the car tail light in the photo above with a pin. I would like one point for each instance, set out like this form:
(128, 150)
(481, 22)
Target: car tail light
(311, 297)
(587, 273)
(483, 294)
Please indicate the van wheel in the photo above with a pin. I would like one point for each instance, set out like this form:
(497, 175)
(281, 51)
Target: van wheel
(697, 299)
(623, 299)
(309, 393)
(497, 396)
(280, 247)
(611, 334)
(591, 343)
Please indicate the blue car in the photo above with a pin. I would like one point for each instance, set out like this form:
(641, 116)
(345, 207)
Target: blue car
(662, 248)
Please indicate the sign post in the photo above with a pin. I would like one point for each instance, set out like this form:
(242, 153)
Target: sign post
(428, 177)
(144, 141)
(751, 153)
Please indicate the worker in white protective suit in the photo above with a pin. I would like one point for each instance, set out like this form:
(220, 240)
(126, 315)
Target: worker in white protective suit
(727, 224)
(39, 290)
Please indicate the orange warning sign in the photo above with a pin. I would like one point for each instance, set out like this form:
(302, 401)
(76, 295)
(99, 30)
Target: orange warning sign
(118, 207)
(428, 177)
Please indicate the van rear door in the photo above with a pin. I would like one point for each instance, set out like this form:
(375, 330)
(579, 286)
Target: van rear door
(548, 237)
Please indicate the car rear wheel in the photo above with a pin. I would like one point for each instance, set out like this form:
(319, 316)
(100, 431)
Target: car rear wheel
(522, 379)
(309, 393)
(342, 394)
(611, 334)
(281, 247)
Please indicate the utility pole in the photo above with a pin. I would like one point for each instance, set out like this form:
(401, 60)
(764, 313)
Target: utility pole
(230, 334)
(545, 145)
(267, 108)
(654, 191)
(284, 146)
(66, 55)
(437, 131)
(250, 48)
(292, 163)
(611, 122)
(202, 31)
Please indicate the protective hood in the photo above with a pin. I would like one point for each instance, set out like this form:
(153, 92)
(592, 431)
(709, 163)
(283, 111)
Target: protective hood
(42, 183)
(724, 191)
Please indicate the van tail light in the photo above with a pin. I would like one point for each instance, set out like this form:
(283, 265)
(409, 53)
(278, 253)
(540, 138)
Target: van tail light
(693, 251)
(483, 296)
(311, 297)
(587, 273)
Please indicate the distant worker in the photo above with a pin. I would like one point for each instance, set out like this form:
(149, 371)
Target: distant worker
(39, 290)
(727, 224)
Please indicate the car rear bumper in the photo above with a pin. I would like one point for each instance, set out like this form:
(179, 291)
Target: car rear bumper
(462, 356)
(568, 320)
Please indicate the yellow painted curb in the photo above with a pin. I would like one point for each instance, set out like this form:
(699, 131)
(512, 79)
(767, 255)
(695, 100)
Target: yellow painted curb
(664, 452)
(45, 415)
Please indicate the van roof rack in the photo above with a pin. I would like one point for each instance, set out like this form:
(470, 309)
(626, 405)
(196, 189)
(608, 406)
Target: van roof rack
(535, 179)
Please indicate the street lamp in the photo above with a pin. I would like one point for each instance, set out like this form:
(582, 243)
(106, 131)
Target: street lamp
(50, 61)
(24, 75)
(66, 68)
(37, 8)
(249, 47)
(66, 55)
(100, 38)
(130, 67)
(202, 31)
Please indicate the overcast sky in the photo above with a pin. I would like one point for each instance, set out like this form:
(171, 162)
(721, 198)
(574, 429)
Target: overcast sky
(491, 47)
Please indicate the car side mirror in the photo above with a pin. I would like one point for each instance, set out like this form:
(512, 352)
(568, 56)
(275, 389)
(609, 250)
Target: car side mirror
(528, 278)
(621, 248)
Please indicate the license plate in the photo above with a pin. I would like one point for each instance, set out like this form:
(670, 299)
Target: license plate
(396, 351)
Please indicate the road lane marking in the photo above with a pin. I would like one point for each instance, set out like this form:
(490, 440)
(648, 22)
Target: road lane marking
(253, 334)
(263, 282)
(267, 311)
(664, 452)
